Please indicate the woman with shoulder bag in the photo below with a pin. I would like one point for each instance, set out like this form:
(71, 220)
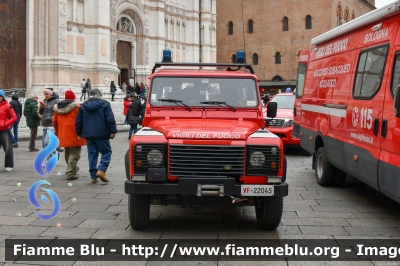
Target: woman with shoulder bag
(133, 120)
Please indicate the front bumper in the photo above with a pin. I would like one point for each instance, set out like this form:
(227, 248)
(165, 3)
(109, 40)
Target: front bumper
(188, 187)
(285, 133)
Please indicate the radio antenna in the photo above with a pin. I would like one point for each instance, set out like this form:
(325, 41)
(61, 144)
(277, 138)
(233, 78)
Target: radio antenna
(244, 40)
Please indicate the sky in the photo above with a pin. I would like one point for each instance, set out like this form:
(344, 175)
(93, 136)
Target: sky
(381, 3)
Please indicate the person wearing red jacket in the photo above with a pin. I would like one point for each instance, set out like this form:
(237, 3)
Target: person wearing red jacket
(7, 119)
(65, 113)
(127, 102)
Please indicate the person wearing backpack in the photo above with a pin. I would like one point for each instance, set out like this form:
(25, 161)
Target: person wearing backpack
(133, 121)
(83, 88)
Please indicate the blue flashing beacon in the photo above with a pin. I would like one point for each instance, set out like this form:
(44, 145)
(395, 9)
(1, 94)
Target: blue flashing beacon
(240, 56)
(167, 56)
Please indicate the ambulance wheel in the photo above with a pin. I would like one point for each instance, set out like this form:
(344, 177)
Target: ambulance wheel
(139, 211)
(268, 211)
(324, 170)
(340, 178)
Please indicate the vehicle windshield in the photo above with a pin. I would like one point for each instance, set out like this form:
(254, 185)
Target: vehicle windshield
(197, 91)
(284, 101)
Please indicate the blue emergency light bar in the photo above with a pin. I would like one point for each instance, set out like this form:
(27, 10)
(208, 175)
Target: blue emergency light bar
(240, 62)
(167, 56)
(240, 57)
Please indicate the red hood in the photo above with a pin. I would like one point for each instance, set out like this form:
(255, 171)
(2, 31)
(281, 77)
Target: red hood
(282, 113)
(205, 129)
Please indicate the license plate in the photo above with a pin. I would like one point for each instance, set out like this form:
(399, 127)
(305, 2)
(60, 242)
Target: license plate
(257, 190)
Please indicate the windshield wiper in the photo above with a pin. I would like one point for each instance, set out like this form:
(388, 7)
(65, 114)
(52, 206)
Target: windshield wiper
(218, 103)
(177, 102)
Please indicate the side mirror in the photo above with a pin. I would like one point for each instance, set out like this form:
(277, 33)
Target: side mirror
(272, 109)
(136, 107)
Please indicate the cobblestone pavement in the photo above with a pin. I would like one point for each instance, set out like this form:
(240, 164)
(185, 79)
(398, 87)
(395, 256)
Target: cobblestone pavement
(100, 210)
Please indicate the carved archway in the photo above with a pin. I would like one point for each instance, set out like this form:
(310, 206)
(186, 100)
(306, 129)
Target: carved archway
(139, 34)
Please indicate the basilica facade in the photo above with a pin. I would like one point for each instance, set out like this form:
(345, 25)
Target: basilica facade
(109, 40)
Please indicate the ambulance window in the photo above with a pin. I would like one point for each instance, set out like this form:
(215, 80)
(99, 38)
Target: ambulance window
(396, 75)
(301, 74)
(371, 66)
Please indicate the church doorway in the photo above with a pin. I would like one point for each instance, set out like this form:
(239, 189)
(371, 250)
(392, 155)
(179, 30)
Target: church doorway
(124, 61)
(13, 44)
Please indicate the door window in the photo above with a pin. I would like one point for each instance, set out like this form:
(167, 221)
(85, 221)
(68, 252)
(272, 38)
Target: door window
(396, 75)
(371, 65)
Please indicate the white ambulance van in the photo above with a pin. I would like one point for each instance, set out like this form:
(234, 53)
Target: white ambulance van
(344, 108)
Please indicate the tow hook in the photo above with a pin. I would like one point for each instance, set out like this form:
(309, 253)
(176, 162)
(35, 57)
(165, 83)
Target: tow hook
(234, 199)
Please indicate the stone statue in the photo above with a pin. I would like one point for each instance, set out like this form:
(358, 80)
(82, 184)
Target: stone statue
(125, 25)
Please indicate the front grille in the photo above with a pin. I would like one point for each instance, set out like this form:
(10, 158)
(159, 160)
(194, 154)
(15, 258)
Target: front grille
(206, 161)
(270, 158)
(275, 122)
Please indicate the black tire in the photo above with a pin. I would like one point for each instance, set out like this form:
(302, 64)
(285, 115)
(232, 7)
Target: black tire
(268, 211)
(284, 170)
(139, 211)
(324, 170)
(340, 178)
(127, 168)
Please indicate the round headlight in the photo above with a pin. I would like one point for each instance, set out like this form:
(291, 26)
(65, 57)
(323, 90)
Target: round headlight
(155, 157)
(274, 150)
(257, 158)
(139, 148)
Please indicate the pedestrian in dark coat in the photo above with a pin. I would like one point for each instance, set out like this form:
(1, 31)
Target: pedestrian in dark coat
(129, 89)
(133, 121)
(266, 99)
(96, 123)
(137, 89)
(7, 118)
(17, 106)
(88, 86)
(113, 89)
(32, 119)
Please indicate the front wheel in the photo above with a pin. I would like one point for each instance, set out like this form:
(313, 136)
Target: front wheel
(324, 170)
(268, 211)
(139, 211)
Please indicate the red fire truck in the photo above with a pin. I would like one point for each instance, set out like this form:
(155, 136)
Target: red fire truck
(203, 142)
(344, 108)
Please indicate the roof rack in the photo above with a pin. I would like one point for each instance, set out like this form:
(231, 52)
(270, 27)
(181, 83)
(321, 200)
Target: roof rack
(246, 66)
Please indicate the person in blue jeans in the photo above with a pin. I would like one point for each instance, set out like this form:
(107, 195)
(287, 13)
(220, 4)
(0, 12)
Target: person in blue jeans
(96, 123)
(17, 106)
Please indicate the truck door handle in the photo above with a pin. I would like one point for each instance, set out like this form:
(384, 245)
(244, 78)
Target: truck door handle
(376, 126)
(384, 128)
